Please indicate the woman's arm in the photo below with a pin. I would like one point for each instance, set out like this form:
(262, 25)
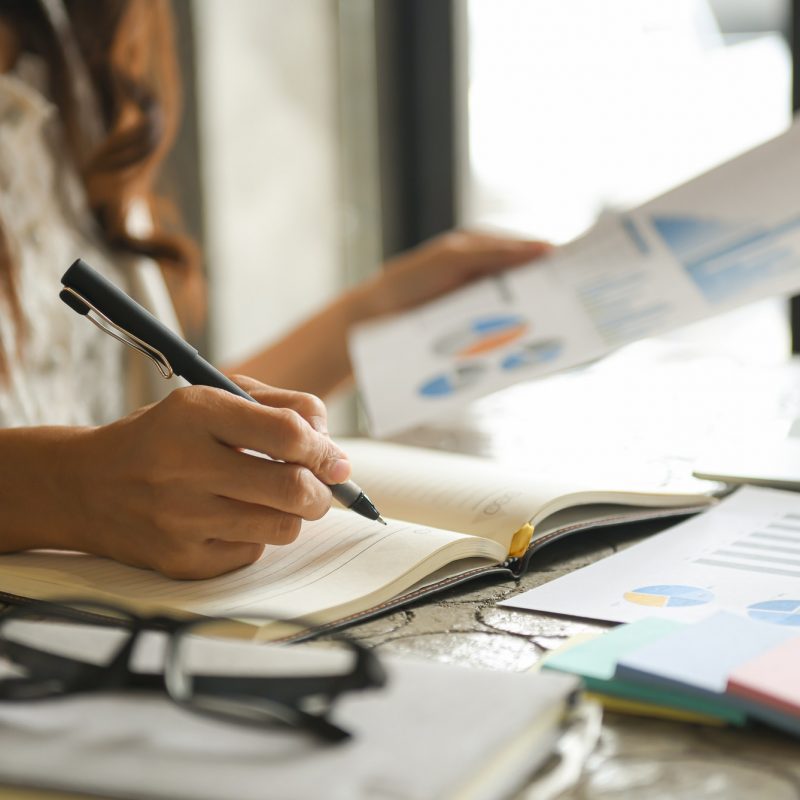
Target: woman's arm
(39, 497)
(168, 487)
(314, 358)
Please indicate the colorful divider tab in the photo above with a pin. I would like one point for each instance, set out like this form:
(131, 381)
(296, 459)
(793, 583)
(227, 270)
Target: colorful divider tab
(723, 669)
(768, 686)
(596, 661)
(699, 658)
(772, 678)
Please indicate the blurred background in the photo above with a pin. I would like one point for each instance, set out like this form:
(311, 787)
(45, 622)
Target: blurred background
(321, 136)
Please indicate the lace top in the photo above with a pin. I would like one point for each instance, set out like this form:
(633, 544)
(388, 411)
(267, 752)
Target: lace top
(64, 371)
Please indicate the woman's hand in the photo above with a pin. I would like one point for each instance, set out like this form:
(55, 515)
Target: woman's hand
(169, 487)
(181, 497)
(314, 356)
(442, 264)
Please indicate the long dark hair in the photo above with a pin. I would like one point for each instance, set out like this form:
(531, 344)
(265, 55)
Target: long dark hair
(128, 50)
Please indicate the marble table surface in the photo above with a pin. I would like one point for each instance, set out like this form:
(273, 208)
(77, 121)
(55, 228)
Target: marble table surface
(649, 410)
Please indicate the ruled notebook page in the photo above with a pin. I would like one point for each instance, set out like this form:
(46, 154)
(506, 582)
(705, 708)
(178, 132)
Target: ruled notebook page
(339, 564)
(446, 490)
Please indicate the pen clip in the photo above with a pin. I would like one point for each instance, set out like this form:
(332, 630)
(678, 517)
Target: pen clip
(100, 320)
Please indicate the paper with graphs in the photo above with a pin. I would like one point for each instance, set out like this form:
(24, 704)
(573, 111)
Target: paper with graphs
(742, 556)
(726, 238)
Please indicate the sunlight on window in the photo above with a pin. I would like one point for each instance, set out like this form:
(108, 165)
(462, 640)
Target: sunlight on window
(575, 106)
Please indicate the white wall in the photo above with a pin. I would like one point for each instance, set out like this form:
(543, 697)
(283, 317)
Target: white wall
(267, 86)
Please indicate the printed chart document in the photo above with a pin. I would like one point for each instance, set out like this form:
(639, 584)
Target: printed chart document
(727, 238)
(741, 556)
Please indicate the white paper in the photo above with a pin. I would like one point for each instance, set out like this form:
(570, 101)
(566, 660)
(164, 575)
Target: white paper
(742, 556)
(408, 738)
(727, 238)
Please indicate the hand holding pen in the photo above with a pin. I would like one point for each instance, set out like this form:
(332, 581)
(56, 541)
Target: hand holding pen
(181, 496)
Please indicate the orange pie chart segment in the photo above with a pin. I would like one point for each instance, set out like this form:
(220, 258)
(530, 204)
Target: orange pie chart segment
(480, 336)
(646, 599)
(667, 595)
(493, 341)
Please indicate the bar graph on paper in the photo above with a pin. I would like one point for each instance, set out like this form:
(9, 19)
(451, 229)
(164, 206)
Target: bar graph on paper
(773, 549)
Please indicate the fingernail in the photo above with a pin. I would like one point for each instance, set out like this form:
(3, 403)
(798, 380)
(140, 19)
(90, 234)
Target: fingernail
(337, 470)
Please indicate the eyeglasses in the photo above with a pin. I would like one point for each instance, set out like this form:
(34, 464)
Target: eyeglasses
(214, 666)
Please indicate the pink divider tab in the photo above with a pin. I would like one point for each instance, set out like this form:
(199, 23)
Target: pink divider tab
(771, 678)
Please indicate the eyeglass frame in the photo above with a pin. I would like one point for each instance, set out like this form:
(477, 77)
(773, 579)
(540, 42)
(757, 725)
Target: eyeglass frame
(79, 677)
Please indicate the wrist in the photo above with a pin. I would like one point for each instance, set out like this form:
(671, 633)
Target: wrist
(74, 486)
(369, 299)
(41, 486)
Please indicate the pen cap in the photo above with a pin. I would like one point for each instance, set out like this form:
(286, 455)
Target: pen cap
(123, 311)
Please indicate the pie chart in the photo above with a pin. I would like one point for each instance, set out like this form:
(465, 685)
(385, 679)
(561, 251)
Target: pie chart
(779, 612)
(452, 381)
(481, 336)
(668, 595)
(531, 353)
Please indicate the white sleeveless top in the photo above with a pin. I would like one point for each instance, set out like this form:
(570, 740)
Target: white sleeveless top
(67, 372)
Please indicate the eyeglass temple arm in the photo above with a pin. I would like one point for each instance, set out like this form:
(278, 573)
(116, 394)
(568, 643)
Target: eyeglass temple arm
(50, 666)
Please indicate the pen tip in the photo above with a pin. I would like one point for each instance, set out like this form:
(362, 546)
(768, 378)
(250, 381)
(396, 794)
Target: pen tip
(382, 521)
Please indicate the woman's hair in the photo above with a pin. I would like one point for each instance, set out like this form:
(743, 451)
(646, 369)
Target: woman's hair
(128, 50)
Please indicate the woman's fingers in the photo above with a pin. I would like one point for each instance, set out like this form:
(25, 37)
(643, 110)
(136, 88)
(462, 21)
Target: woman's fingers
(444, 264)
(234, 521)
(469, 250)
(289, 488)
(308, 406)
(219, 557)
(212, 559)
(280, 433)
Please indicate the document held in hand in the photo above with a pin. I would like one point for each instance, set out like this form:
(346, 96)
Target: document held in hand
(726, 238)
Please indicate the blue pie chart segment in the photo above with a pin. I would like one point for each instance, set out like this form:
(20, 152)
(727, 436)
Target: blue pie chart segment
(452, 381)
(533, 353)
(669, 595)
(778, 612)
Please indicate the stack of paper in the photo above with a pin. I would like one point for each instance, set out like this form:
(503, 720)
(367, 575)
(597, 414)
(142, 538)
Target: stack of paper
(724, 669)
(433, 732)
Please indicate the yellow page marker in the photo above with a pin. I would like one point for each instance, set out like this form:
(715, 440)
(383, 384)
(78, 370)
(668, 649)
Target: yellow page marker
(520, 541)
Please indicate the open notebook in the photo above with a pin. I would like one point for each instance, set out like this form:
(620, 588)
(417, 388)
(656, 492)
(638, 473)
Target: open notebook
(450, 518)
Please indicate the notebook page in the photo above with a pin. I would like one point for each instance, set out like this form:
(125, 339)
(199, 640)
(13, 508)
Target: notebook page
(446, 490)
(334, 564)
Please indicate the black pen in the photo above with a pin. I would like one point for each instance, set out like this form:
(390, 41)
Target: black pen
(86, 291)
